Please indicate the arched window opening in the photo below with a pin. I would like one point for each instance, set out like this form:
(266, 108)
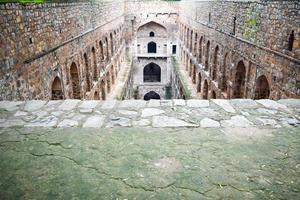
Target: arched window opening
(87, 72)
(57, 93)
(113, 75)
(291, 41)
(151, 34)
(152, 73)
(205, 90)
(199, 83)
(75, 81)
(107, 49)
(95, 75)
(239, 84)
(151, 47)
(195, 44)
(191, 41)
(151, 95)
(102, 88)
(207, 55)
(215, 65)
(262, 90)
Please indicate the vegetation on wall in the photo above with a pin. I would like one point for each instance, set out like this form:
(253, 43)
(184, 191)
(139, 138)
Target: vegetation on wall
(250, 28)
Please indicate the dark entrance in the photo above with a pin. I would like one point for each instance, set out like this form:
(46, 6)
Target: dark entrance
(151, 95)
(151, 47)
(152, 73)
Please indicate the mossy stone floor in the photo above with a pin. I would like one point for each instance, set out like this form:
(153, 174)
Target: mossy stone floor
(149, 163)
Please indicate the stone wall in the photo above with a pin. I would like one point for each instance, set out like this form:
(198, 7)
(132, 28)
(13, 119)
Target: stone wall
(247, 60)
(42, 41)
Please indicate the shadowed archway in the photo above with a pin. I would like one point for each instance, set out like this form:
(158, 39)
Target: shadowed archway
(151, 95)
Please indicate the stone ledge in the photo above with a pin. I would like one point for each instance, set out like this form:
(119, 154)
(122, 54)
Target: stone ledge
(242, 113)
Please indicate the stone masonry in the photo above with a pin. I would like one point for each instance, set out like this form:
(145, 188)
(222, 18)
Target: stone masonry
(235, 113)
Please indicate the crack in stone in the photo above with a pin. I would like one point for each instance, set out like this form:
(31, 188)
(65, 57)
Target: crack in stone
(194, 190)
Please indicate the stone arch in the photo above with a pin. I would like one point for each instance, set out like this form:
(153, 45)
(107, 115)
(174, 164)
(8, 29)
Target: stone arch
(152, 73)
(94, 60)
(225, 68)
(239, 82)
(200, 49)
(96, 95)
(111, 44)
(107, 49)
(87, 72)
(199, 82)
(207, 54)
(195, 44)
(57, 93)
(75, 81)
(102, 89)
(215, 64)
(152, 47)
(213, 95)
(191, 41)
(152, 23)
(113, 74)
(190, 67)
(101, 51)
(108, 82)
(194, 74)
(262, 88)
(205, 90)
(151, 95)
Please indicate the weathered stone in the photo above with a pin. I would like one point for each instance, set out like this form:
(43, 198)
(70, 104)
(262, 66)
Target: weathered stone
(237, 121)
(94, 122)
(166, 103)
(266, 111)
(179, 102)
(165, 121)
(197, 103)
(267, 122)
(142, 122)
(209, 123)
(118, 121)
(10, 105)
(49, 121)
(148, 112)
(272, 104)
(88, 104)
(69, 104)
(110, 104)
(11, 123)
(132, 104)
(128, 112)
(68, 123)
(34, 105)
(224, 104)
(154, 103)
(20, 114)
(86, 110)
(243, 103)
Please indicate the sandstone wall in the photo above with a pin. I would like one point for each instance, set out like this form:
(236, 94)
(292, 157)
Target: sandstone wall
(260, 40)
(41, 41)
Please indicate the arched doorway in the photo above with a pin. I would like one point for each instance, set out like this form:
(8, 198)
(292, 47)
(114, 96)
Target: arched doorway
(205, 90)
(215, 64)
(112, 74)
(108, 82)
(102, 88)
(57, 93)
(151, 34)
(213, 95)
(95, 75)
(226, 67)
(239, 83)
(75, 81)
(152, 73)
(262, 90)
(101, 51)
(200, 50)
(194, 74)
(111, 44)
(151, 95)
(151, 47)
(96, 96)
(207, 55)
(87, 72)
(199, 82)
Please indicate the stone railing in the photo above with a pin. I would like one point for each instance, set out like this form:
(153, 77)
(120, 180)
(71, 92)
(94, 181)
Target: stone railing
(237, 113)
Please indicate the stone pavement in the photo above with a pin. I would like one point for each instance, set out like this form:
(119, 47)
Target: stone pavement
(169, 149)
(155, 113)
